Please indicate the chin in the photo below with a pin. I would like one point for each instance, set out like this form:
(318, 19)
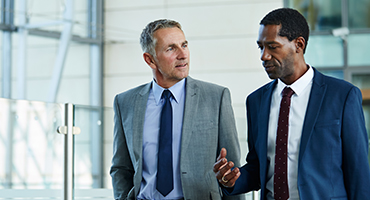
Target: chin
(272, 76)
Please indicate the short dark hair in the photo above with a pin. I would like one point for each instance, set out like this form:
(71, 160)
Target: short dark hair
(293, 24)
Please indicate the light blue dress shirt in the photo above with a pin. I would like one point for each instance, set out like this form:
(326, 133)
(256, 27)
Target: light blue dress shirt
(150, 140)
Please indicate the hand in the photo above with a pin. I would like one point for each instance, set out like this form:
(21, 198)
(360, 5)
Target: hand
(222, 169)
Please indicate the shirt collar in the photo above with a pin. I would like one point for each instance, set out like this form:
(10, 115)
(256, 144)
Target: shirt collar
(177, 91)
(299, 85)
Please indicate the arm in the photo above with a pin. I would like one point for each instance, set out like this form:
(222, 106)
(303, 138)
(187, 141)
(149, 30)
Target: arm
(246, 178)
(122, 171)
(228, 136)
(355, 148)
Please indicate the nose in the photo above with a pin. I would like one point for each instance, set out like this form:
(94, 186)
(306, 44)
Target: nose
(265, 55)
(183, 53)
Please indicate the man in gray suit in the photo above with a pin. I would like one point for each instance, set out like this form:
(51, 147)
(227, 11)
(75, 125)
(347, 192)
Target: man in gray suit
(202, 124)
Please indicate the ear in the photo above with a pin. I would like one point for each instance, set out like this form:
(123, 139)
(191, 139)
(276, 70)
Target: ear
(300, 44)
(149, 59)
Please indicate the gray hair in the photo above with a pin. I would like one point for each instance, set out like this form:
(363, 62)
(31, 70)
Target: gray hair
(147, 41)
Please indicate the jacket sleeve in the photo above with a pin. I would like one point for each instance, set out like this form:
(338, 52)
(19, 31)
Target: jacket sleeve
(122, 171)
(249, 178)
(228, 135)
(356, 169)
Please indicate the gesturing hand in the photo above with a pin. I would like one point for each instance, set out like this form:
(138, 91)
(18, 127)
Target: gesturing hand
(222, 169)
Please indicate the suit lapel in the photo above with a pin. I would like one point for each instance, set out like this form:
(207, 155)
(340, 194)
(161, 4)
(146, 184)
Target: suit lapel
(317, 95)
(138, 119)
(191, 103)
(140, 103)
(263, 124)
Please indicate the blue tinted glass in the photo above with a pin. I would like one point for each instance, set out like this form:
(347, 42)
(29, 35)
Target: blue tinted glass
(359, 15)
(361, 80)
(320, 15)
(333, 73)
(357, 50)
(324, 51)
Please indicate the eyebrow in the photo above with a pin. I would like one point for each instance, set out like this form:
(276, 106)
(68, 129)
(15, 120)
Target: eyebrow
(267, 42)
(173, 44)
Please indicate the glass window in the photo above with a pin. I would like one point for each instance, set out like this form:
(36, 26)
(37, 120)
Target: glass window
(357, 49)
(88, 159)
(333, 73)
(362, 81)
(40, 65)
(321, 15)
(359, 15)
(48, 15)
(328, 55)
(31, 152)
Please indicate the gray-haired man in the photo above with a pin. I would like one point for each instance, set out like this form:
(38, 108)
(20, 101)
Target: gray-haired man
(202, 123)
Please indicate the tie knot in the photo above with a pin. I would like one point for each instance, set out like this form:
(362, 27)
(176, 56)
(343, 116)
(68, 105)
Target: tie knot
(288, 92)
(166, 94)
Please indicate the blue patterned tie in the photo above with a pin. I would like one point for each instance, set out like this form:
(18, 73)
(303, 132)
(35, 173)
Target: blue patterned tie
(165, 171)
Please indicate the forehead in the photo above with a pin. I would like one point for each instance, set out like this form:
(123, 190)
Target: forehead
(268, 33)
(166, 36)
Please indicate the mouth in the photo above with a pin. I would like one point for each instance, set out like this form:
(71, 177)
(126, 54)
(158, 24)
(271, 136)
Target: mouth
(269, 67)
(182, 65)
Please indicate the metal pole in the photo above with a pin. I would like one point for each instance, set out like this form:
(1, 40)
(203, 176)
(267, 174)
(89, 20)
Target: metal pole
(69, 153)
(95, 11)
(65, 38)
(7, 18)
(22, 44)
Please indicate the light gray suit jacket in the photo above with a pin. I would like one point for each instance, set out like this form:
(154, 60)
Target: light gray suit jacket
(208, 126)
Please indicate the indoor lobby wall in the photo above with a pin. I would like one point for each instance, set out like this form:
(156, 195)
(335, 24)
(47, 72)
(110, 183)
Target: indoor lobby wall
(222, 38)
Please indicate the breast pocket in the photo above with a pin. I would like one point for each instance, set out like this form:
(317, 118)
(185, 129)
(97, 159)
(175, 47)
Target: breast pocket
(327, 123)
(326, 141)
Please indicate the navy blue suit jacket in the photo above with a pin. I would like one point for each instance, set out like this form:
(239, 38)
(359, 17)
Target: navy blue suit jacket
(333, 152)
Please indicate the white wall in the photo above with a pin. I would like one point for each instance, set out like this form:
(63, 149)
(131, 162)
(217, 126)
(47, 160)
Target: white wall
(222, 38)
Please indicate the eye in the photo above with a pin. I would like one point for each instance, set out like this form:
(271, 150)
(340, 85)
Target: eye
(169, 49)
(184, 45)
(260, 47)
(272, 47)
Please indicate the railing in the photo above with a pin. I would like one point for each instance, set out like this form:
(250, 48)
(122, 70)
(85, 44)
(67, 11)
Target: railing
(37, 163)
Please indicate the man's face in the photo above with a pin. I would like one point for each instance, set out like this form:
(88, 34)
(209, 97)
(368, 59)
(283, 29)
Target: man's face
(277, 53)
(171, 63)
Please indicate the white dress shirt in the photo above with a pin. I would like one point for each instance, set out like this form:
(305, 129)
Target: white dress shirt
(150, 140)
(299, 101)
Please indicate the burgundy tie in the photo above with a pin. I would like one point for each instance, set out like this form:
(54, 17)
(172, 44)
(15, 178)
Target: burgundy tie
(281, 190)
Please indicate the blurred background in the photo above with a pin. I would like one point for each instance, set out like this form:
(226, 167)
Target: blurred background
(86, 51)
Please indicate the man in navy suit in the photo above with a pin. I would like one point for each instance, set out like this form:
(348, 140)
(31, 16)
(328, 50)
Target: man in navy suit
(327, 143)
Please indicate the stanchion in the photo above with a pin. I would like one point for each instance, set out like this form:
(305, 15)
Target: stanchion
(69, 131)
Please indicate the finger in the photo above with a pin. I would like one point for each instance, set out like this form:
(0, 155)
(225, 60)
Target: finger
(222, 154)
(229, 179)
(232, 181)
(219, 164)
(225, 169)
(221, 160)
